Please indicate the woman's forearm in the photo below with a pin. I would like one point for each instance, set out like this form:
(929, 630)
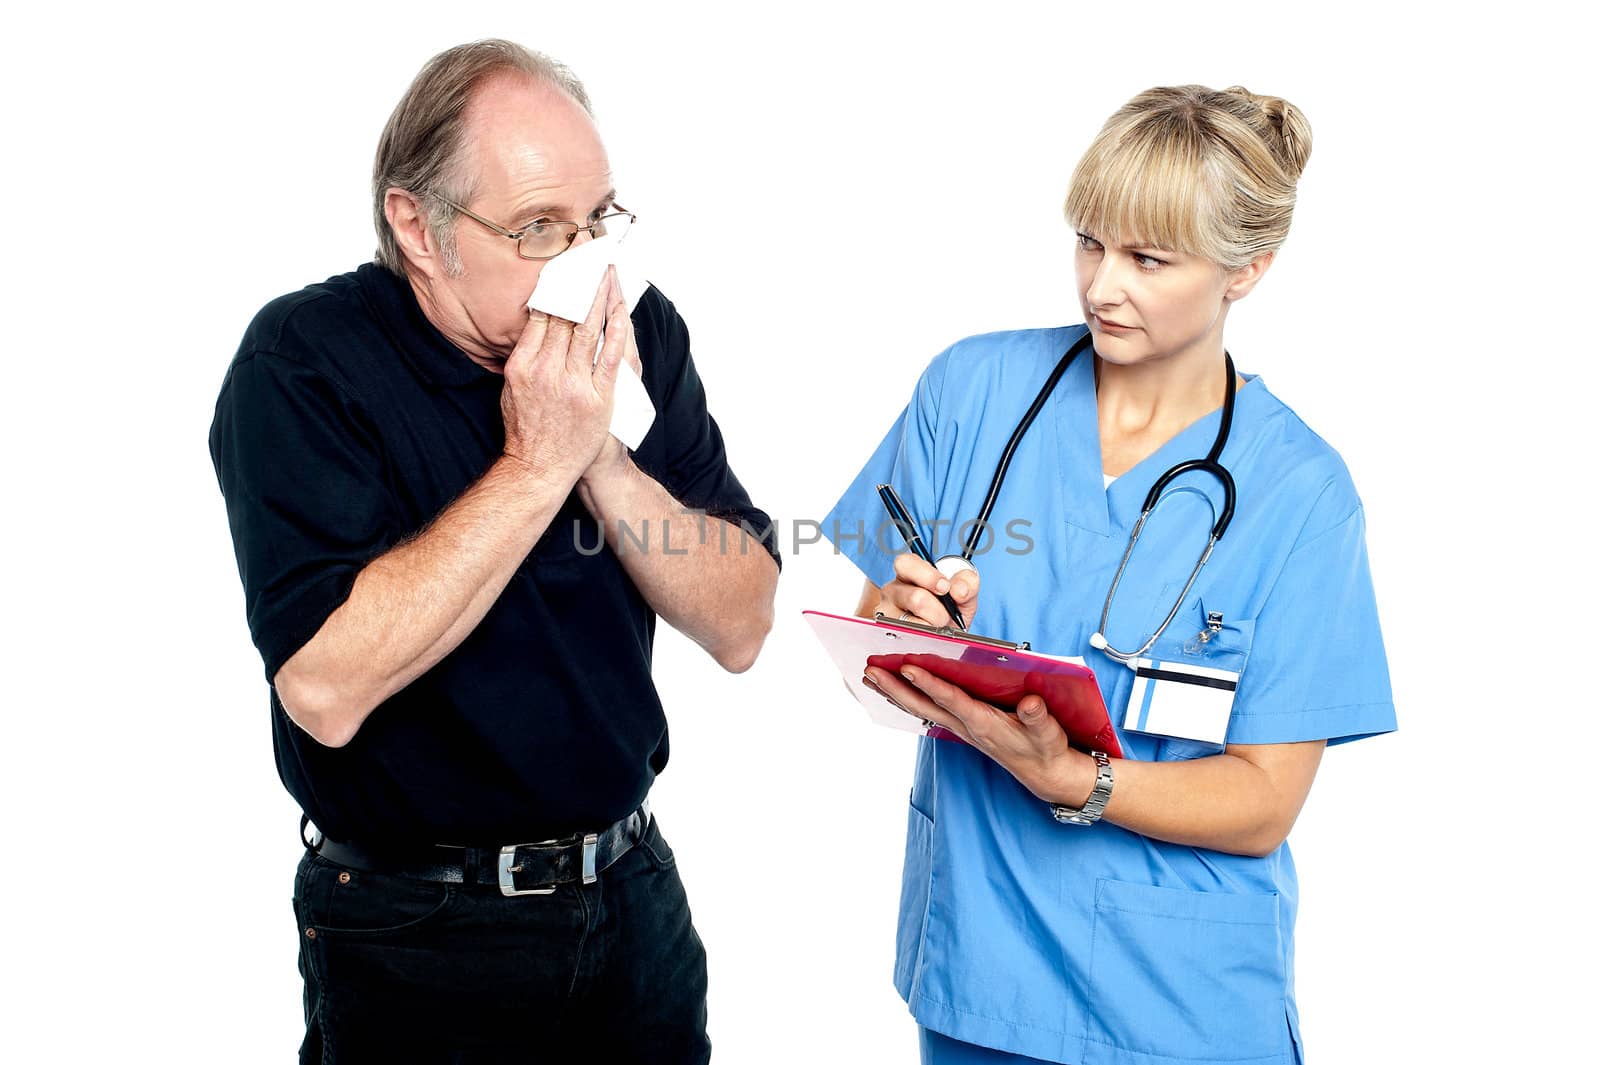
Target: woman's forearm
(1243, 801)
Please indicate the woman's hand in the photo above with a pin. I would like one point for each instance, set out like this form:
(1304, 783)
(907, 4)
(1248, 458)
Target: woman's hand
(914, 592)
(1029, 744)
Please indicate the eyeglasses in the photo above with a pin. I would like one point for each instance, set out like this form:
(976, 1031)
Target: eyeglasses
(546, 240)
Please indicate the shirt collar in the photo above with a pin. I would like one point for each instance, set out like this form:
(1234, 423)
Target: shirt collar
(436, 360)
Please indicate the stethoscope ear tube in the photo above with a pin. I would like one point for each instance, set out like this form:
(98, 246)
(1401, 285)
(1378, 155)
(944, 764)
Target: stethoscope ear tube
(1207, 465)
(1004, 464)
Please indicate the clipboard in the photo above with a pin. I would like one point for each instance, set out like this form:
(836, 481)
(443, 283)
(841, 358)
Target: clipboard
(997, 671)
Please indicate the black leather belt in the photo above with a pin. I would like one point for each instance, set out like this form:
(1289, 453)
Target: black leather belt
(516, 869)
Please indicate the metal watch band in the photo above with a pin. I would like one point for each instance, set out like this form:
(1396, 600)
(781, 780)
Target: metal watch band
(1096, 804)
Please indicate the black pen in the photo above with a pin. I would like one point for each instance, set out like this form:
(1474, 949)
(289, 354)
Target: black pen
(908, 532)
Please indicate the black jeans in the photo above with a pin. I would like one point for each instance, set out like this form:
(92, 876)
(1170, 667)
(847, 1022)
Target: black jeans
(399, 971)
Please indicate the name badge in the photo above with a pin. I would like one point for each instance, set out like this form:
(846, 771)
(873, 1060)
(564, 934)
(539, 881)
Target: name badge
(1180, 700)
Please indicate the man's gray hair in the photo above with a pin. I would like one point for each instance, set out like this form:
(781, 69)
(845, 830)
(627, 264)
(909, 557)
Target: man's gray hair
(423, 144)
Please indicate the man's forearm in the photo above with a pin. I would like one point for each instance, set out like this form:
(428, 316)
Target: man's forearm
(415, 603)
(711, 581)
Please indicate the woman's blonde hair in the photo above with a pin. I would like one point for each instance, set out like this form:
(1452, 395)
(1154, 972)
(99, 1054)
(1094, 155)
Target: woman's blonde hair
(1194, 170)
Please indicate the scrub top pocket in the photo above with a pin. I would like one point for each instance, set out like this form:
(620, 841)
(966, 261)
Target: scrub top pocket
(1178, 975)
(1227, 649)
(915, 881)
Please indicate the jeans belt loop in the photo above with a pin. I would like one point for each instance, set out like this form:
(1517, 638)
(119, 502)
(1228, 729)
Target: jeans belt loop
(591, 845)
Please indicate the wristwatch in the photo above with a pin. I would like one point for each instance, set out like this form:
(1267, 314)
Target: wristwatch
(1096, 804)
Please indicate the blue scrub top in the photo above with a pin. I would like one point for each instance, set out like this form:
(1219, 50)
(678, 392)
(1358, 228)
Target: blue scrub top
(1098, 945)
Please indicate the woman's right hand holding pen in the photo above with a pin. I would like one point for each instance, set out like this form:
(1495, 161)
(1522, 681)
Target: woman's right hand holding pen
(914, 592)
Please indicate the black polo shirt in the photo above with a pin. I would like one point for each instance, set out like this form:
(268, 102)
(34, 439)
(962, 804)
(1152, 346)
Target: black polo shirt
(345, 424)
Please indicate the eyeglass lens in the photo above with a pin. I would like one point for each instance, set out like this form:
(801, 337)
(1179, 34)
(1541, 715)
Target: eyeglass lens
(543, 240)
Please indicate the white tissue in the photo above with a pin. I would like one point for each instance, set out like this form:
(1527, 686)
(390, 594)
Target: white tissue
(568, 282)
(566, 289)
(632, 413)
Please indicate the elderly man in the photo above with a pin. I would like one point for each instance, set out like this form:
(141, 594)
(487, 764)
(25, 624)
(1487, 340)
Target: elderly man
(418, 474)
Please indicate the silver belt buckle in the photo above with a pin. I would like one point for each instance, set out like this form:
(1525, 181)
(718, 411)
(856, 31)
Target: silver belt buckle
(508, 866)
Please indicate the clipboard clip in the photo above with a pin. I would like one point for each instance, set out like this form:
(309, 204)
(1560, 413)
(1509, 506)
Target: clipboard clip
(880, 618)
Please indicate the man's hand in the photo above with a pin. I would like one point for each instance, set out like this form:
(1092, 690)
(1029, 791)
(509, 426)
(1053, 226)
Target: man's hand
(720, 598)
(612, 458)
(557, 397)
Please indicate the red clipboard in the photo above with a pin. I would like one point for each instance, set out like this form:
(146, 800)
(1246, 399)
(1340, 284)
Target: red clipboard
(996, 671)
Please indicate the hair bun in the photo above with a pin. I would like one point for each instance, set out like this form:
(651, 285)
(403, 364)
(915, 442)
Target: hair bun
(1286, 130)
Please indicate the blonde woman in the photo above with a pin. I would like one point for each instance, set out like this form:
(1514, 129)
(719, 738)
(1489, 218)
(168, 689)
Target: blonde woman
(1063, 905)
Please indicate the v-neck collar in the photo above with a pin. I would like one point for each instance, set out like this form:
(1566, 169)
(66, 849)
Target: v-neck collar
(1126, 496)
(1086, 501)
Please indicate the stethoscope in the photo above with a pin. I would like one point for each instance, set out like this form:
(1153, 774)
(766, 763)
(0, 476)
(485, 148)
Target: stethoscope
(1209, 464)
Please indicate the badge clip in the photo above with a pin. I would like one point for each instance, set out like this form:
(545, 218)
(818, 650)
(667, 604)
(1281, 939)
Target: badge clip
(1198, 642)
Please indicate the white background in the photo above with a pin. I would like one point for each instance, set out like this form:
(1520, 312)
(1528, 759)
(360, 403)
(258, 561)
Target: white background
(834, 193)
